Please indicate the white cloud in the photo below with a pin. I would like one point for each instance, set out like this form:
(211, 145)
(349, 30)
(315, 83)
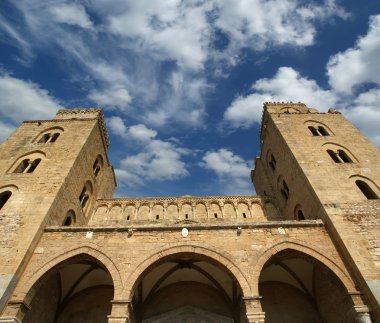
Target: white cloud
(157, 160)
(358, 64)
(22, 100)
(5, 130)
(113, 97)
(233, 172)
(286, 85)
(141, 132)
(365, 114)
(71, 14)
(185, 31)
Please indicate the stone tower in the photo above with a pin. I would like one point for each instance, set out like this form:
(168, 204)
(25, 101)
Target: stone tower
(49, 168)
(319, 166)
(306, 249)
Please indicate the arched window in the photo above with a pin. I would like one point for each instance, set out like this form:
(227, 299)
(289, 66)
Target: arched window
(4, 197)
(49, 137)
(320, 131)
(69, 219)
(27, 166)
(313, 131)
(44, 139)
(285, 190)
(85, 194)
(344, 157)
(300, 215)
(366, 190)
(323, 131)
(97, 165)
(339, 156)
(272, 162)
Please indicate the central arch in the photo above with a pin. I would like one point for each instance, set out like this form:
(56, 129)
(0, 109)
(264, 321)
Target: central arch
(187, 281)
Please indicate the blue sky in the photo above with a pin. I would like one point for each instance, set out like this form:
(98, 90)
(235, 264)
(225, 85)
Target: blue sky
(182, 83)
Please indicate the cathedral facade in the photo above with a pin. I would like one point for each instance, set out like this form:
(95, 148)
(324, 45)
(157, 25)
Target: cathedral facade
(305, 249)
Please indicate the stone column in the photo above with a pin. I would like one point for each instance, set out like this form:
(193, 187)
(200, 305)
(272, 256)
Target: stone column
(14, 312)
(120, 312)
(254, 312)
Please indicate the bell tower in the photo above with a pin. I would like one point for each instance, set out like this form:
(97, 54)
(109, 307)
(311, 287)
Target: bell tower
(318, 165)
(51, 172)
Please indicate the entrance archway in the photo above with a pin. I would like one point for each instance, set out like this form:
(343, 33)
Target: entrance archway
(77, 290)
(296, 287)
(186, 286)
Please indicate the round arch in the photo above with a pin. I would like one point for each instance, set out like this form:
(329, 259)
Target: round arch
(216, 256)
(290, 245)
(27, 287)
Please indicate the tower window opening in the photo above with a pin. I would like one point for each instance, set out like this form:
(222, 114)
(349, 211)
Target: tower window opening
(128, 218)
(157, 217)
(323, 131)
(44, 139)
(314, 131)
(22, 166)
(285, 190)
(272, 162)
(4, 197)
(244, 216)
(27, 166)
(186, 216)
(83, 197)
(68, 221)
(33, 165)
(70, 218)
(343, 156)
(215, 215)
(366, 190)
(300, 215)
(339, 156)
(54, 137)
(334, 156)
(97, 165)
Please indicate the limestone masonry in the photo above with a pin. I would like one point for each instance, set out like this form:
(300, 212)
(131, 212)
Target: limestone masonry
(305, 249)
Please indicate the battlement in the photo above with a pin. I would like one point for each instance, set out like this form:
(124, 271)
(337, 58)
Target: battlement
(83, 114)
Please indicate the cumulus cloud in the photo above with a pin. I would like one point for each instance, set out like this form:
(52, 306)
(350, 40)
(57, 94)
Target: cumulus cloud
(22, 100)
(286, 85)
(359, 64)
(71, 14)
(157, 160)
(232, 171)
(113, 97)
(365, 114)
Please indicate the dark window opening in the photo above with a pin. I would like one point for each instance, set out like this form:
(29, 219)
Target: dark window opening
(366, 190)
(314, 131)
(272, 162)
(54, 137)
(83, 197)
(22, 166)
(343, 156)
(215, 215)
(68, 221)
(33, 165)
(44, 139)
(157, 217)
(97, 166)
(285, 190)
(186, 216)
(323, 131)
(244, 216)
(4, 197)
(334, 156)
(300, 215)
(128, 218)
